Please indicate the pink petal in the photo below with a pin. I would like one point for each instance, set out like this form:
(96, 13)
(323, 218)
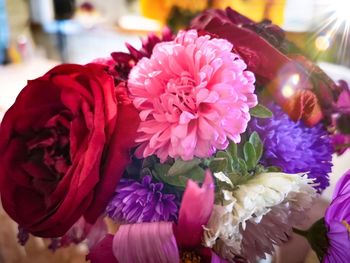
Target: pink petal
(186, 117)
(200, 78)
(195, 210)
(146, 243)
(344, 100)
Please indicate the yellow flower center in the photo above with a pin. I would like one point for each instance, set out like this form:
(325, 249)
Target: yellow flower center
(346, 225)
(189, 257)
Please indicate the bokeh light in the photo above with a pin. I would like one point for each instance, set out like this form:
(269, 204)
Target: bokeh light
(290, 85)
(322, 42)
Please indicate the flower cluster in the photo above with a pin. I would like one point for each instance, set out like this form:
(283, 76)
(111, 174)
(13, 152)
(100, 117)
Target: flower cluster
(170, 144)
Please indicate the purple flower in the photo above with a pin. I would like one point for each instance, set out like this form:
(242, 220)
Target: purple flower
(136, 202)
(294, 147)
(337, 220)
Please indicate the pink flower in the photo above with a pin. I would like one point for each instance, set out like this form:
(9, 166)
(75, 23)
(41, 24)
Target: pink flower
(193, 95)
(164, 241)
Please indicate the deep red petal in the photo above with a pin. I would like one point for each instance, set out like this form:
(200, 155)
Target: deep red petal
(102, 252)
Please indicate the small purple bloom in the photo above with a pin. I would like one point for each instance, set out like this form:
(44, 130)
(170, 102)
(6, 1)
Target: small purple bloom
(337, 220)
(136, 202)
(294, 147)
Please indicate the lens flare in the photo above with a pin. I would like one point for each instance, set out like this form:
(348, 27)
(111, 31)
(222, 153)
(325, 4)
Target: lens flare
(333, 29)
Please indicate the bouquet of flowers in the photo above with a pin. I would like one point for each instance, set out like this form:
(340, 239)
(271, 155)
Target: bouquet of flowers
(205, 146)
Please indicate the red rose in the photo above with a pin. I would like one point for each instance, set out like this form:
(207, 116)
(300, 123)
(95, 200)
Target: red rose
(261, 46)
(64, 144)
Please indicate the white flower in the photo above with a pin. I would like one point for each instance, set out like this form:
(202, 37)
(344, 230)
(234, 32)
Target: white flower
(259, 214)
(223, 178)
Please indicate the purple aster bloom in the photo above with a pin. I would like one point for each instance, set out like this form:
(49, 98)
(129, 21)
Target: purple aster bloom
(294, 147)
(136, 202)
(337, 220)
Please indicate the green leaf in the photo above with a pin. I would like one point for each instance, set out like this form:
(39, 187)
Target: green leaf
(260, 111)
(317, 237)
(218, 164)
(258, 146)
(249, 155)
(149, 161)
(238, 179)
(235, 165)
(196, 174)
(273, 169)
(161, 170)
(227, 156)
(242, 166)
(181, 174)
(181, 167)
(232, 149)
(259, 169)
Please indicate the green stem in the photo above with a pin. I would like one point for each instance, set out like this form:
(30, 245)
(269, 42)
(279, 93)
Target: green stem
(341, 146)
(300, 232)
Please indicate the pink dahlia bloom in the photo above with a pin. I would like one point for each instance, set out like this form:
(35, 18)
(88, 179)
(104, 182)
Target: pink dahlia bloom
(193, 95)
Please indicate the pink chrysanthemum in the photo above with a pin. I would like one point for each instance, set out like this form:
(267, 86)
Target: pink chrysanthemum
(193, 95)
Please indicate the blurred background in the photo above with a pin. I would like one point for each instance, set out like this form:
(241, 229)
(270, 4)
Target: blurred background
(81, 30)
(35, 35)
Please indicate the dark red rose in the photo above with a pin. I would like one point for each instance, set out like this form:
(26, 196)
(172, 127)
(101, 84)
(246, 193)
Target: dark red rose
(261, 46)
(64, 144)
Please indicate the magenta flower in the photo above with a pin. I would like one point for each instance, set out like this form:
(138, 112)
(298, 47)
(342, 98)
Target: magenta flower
(342, 104)
(341, 142)
(193, 95)
(337, 220)
(164, 241)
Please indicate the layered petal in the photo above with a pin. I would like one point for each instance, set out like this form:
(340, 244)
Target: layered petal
(193, 95)
(146, 243)
(196, 207)
(258, 215)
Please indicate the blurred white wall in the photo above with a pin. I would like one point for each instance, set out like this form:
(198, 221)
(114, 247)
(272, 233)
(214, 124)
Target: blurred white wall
(298, 15)
(111, 9)
(41, 11)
